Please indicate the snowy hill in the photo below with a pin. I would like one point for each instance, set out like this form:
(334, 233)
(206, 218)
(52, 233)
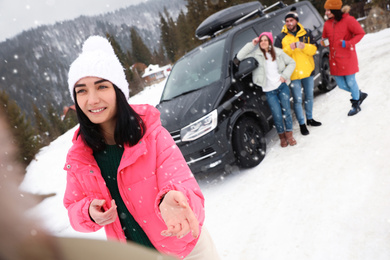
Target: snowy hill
(326, 198)
(34, 64)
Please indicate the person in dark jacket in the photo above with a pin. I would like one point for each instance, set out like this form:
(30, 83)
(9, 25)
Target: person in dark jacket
(298, 43)
(342, 32)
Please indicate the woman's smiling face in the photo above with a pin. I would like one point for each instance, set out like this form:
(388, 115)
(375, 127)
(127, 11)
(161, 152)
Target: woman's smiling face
(264, 43)
(96, 97)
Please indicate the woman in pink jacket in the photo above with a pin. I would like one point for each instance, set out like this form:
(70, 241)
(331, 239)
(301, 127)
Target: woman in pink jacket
(343, 32)
(124, 171)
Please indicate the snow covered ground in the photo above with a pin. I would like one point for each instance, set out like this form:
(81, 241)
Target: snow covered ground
(326, 198)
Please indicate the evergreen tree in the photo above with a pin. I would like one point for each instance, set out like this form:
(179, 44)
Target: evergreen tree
(196, 13)
(117, 49)
(125, 59)
(130, 57)
(166, 39)
(141, 53)
(155, 58)
(186, 37)
(70, 120)
(57, 126)
(161, 55)
(137, 84)
(25, 136)
(42, 126)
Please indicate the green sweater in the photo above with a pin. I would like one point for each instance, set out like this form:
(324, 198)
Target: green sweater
(108, 161)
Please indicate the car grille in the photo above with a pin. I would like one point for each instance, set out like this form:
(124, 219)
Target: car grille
(197, 156)
(207, 151)
(176, 136)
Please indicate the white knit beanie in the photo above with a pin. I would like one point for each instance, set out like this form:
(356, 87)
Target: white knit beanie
(98, 59)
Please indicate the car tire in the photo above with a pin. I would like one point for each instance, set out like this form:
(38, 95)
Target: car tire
(327, 81)
(248, 142)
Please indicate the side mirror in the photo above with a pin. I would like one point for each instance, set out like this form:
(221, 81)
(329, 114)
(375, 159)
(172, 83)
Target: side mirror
(245, 67)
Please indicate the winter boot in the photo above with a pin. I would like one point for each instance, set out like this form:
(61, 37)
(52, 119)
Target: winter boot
(362, 97)
(304, 130)
(355, 108)
(283, 141)
(313, 122)
(290, 139)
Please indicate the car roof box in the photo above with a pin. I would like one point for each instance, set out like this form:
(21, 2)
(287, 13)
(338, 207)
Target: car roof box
(227, 18)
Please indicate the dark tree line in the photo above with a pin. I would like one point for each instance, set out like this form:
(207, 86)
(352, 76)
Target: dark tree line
(30, 136)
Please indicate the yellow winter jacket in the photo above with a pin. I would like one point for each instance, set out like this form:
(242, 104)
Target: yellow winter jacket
(303, 57)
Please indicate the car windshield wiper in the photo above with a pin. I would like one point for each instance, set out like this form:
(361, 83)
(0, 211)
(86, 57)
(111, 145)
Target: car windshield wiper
(181, 94)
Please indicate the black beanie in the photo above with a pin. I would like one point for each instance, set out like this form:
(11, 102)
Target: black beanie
(292, 14)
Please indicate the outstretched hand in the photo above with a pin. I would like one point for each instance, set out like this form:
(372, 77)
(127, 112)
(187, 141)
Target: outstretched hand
(99, 215)
(178, 216)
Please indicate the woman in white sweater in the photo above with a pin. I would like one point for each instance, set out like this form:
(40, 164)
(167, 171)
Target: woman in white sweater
(274, 70)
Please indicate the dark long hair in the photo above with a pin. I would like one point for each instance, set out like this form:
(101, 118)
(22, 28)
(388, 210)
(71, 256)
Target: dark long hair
(271, 51)
(129, 129)
(338, 14)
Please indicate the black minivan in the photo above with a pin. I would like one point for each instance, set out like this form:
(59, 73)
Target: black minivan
(209, 104)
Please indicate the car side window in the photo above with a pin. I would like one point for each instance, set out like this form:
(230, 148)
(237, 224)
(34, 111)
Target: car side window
(240, 39)
(307, 18)
(268, 26)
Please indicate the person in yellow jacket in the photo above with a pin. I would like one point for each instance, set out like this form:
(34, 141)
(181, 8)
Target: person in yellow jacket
(298, 43)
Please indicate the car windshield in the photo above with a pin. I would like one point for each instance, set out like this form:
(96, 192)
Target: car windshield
(202, 68)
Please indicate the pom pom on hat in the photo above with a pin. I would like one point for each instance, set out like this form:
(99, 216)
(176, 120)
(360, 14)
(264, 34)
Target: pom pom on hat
(269, 35)
(333, 4)
(292, 14)
(98, 43)
(98, 59)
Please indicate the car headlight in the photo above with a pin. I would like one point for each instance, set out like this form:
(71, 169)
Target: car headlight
(200, 127)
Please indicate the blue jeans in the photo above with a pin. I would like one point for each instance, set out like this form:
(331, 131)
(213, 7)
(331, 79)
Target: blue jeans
(279, 103)
(296, 90)
(348, 83)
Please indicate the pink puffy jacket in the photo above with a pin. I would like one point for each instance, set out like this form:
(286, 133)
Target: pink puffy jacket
(146, 172)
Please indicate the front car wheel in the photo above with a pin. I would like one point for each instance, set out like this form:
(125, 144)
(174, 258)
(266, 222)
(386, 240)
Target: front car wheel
(249, 143)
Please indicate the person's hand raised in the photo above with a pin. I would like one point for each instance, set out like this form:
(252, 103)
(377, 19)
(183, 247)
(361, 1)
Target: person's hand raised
(255, 41)
(99, 215)
(178, 216)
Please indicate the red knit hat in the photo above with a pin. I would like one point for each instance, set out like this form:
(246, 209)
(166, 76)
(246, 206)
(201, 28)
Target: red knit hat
(269, 35)
(333, 4)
